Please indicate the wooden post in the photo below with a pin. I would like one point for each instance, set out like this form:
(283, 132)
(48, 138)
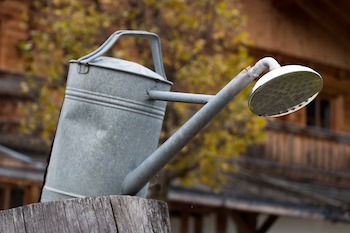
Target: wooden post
(245, 221)
(91, 214)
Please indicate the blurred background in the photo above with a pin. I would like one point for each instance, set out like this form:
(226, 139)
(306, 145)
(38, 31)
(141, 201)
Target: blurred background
(243, 173)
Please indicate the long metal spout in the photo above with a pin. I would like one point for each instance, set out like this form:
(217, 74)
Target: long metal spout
(139, 177)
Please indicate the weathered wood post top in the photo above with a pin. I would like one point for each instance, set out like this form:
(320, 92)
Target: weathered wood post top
(91, 214)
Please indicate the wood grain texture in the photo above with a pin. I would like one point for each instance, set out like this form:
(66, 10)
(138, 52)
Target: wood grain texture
(91, 214)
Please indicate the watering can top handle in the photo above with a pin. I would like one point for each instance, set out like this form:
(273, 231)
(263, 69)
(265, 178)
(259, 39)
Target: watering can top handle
(155, 47)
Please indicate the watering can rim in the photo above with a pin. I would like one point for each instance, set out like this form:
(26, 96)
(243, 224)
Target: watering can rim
(122, 65)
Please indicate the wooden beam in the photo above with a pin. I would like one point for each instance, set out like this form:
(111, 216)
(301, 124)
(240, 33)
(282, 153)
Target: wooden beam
(245, 221)
(339, 10)
(341, 73)
(338, 113)
(221, 221)
(6, 201)
(292, 188)
(185, 222)
(332, 15)
(318, 12)
(273, 167)
(198, 223)
(271, 219)
(31, 194)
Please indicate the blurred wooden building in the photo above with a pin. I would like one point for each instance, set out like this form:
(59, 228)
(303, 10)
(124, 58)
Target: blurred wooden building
(300, 175)
(20, 175)
(297, 181)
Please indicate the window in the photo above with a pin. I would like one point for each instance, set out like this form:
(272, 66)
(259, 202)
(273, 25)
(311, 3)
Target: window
(318, 113)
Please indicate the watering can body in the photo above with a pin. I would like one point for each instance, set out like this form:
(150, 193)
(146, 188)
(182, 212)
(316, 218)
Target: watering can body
(107, 125)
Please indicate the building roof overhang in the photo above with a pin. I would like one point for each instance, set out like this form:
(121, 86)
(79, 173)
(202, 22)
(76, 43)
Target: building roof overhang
(331, 15)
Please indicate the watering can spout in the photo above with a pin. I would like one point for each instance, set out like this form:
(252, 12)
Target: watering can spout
(139, 177)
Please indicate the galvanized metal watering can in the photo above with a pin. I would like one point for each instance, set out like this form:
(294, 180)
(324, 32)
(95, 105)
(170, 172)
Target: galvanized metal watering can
(108, 131)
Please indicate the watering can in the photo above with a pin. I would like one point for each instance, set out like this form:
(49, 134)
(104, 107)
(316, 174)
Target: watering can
(109, 126)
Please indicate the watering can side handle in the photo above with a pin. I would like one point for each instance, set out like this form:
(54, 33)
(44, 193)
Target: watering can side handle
(155, 48)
